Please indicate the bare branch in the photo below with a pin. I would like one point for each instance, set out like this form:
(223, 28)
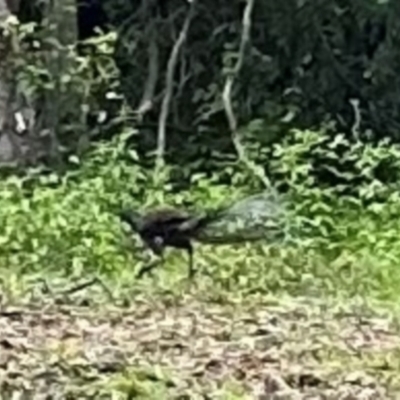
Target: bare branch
(169, 87)
(355, 129)
(227, 95)
(147, 101)
(185, 75)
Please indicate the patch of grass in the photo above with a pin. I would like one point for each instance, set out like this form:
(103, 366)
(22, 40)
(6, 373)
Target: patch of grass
(66, 228)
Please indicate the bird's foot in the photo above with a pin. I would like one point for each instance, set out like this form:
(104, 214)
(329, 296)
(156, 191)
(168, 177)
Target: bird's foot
(146, 269)
(191, 274)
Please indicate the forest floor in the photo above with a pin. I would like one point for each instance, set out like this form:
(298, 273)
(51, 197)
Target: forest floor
(185, 347)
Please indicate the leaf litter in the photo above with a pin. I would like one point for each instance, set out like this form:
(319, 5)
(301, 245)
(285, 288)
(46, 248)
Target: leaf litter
(196, 349)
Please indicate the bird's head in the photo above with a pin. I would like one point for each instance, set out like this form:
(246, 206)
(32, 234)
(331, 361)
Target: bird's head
(132, 218)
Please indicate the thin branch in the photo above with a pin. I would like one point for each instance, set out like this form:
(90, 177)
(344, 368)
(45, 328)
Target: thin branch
(169, 88)
(227, 95)
(185, 75)
(355, 129)
(147, 101)
(79, 287)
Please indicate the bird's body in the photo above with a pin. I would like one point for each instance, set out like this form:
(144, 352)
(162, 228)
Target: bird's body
(168, 227)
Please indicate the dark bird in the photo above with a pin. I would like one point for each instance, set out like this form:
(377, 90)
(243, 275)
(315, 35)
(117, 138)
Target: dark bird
(253, 218)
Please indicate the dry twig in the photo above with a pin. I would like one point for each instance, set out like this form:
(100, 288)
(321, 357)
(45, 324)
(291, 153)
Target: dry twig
(355, 129)
(169, 88)
(227, 95)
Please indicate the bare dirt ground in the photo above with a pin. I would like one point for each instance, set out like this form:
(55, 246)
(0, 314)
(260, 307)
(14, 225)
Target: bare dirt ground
(189, 349)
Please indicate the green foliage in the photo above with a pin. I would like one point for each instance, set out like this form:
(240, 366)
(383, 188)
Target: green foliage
(71, 89)
(68, 227)
(341, 186)
(66, 223)
(307, 61)
(344, 242)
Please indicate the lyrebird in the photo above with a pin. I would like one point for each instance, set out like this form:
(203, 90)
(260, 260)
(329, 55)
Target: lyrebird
(253, 218)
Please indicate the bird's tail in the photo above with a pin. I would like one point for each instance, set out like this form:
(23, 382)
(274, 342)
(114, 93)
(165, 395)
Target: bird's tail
(257, 217)
(195, 225)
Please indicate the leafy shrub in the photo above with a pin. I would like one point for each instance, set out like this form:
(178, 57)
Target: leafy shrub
(345, 242)
(354, 221)
(343, 194)
(67, 227)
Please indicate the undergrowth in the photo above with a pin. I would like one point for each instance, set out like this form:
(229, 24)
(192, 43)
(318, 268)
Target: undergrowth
(342, 195)
(346, 244)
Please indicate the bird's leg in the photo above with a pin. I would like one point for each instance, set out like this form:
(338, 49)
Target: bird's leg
(147, 269)
(157, 247)
(191, 265)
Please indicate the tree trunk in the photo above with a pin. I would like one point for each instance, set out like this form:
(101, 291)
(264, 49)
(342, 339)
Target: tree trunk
(11, 151)
(62, 17)
(25, 139)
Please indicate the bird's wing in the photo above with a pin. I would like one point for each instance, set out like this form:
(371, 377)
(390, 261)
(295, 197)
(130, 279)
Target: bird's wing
(166, 216)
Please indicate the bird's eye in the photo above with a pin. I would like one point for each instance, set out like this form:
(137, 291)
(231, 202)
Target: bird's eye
(158, 240)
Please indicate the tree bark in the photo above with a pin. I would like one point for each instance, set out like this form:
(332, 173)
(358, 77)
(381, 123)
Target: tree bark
(62, 19)
(16, 117)
(24, 138)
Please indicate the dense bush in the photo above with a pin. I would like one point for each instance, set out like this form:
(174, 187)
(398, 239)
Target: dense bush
(342, 194)
(345, 240)
(306, 62)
